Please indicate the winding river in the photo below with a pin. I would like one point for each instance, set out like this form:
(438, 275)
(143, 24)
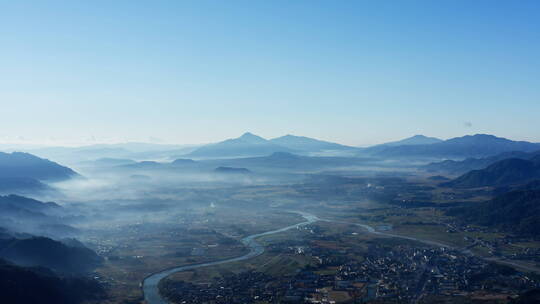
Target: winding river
(150, 284)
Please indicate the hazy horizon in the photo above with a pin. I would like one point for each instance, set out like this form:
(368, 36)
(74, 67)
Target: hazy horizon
(131, 171)
(356, 73)
(152, 141)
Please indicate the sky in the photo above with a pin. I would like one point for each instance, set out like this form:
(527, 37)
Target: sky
(353, 72)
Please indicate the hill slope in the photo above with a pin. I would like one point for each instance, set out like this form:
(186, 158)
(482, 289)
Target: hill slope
(24, 165)
(27, 215)
(45, 252)
(516, 211)
(21, 185)
(504, 172)
(37, 285)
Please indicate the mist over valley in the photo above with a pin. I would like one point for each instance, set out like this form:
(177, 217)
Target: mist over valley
(265, 152)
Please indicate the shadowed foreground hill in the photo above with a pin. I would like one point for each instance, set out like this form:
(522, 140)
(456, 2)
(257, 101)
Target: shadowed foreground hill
(28, 215)
(502, 173)
(21, 185)
(25, 165)
(45, 252)
(529, 297)
(517, 211)
(28, 203)
(38, 285)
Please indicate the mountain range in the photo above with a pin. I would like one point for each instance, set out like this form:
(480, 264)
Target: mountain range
(462, 166)
(246, 145)
(479, 145)
(252, 145)
(418, 146)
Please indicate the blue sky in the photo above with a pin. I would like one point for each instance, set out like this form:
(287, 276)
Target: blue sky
(354, 72)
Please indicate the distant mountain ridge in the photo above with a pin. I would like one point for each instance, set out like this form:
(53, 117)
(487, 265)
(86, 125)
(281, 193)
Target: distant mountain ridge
(277, 161)
(463, 166)
(84, 155)
(479, 145)
(251, 145)
(410, 141)
(246, 145)
(289, 161)
(306, 144)
(413, 141)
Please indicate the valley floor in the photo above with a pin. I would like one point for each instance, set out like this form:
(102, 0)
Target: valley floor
(363, 249)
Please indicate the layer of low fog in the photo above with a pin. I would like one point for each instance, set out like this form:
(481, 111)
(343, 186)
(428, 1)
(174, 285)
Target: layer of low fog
(114, 192)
